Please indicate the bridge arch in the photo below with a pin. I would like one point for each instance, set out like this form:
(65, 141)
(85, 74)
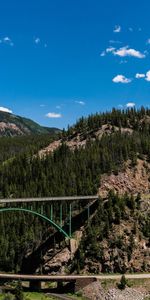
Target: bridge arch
(10, 209)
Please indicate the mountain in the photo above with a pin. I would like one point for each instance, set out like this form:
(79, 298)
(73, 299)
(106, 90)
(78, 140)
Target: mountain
(13, 125)
(106, 154)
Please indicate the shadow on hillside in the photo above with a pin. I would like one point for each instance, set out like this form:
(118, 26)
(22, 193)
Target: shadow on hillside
(33, 262)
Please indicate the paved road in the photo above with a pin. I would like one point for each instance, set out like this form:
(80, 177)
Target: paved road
(60, 296)
(69, 277)
(44, 199)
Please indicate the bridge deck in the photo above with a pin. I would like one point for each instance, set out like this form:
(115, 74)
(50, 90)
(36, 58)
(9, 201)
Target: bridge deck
(67, 278)
(44, 199)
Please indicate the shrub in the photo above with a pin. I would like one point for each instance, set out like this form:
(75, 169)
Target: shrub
(8, 296)
(123, 283)
(19, 292)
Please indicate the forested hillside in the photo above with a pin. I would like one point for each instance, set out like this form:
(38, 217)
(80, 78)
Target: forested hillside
(76, 171)
(13, 147)
(117, 240)
(128, 118)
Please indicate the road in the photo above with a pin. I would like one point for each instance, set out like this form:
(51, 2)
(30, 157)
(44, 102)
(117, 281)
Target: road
(60, 296)
(68, 278)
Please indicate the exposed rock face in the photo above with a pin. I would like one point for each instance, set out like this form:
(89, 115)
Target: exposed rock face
(95, 291)
(124, 250)
(73, 247)
(58, 262)
(12, 129)
(132, 180)
(127, 294)
(49, 149)
(79, 140)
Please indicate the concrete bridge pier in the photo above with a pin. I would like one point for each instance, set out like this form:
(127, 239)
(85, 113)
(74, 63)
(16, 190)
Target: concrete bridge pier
(35, 285)
(60, 286)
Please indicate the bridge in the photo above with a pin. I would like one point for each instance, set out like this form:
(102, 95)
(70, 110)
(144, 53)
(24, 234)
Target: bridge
(48, 210)
(28, 205)
(78, 281)
(66, 215)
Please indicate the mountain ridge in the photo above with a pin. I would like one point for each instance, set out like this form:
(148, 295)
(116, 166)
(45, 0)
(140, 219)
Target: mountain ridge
(14, 125)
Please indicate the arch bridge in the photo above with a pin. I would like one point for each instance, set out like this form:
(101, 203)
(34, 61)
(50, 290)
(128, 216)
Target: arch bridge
(57, 211)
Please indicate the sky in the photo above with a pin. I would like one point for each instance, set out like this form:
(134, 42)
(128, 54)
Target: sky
(63, 59)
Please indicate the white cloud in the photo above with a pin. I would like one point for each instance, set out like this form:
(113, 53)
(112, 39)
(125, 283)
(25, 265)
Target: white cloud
(115, 42)
(37, 40)
(103, 53)
(148, 41)
(53, 115)
(110, 49)
(142, 75)
(80, 102)
(123, 61)
(121, 79)
(147, 78)
(126, 51)
(7, 40)
(130, 29)
(130, 104)
(5, 109)
(139, 75)
(117, 29)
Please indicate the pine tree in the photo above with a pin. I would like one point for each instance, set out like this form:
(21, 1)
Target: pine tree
(19, 292)
(123, 283)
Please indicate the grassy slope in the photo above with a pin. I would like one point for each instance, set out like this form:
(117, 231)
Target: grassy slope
(33, 296)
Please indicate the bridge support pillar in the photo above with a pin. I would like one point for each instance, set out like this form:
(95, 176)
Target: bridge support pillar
(35, 285)
(59, 286)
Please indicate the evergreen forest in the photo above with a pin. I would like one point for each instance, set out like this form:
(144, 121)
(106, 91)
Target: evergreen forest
(65, 172)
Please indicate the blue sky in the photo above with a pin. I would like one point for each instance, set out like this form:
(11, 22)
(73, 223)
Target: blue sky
(61, 59)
